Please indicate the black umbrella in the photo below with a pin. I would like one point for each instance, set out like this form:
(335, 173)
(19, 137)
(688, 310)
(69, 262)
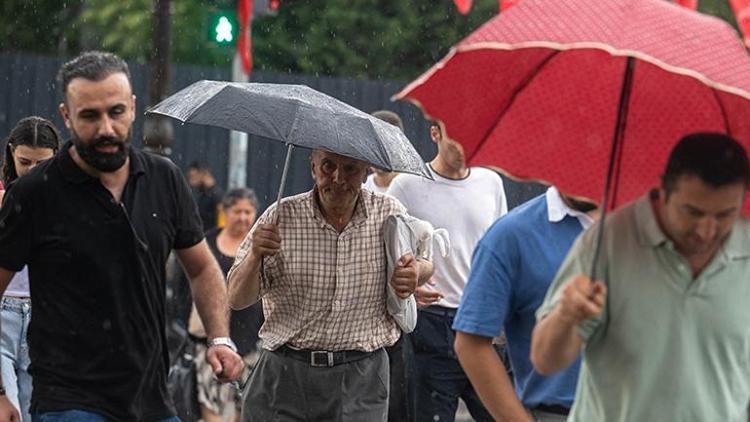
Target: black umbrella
(296, 115)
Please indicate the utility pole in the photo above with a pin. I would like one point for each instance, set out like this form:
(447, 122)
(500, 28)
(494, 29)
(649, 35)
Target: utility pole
(158, 130)
(237, 140)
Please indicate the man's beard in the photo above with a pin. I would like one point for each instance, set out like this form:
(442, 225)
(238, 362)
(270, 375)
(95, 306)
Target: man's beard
(105, 162)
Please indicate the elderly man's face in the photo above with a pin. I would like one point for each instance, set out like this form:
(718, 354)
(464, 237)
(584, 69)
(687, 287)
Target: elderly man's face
(338, 178)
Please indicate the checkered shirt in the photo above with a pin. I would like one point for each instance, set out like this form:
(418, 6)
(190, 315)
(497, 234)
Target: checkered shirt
(326, 290)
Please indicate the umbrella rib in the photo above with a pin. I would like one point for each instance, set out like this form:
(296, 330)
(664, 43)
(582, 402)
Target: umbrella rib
(724, 117)
(513, 97)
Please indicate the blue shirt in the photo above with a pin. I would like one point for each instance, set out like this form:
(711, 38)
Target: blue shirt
(512, 267)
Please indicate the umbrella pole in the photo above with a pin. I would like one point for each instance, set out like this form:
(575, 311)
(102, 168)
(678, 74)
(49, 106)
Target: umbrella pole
(614, 159)
(288, 159)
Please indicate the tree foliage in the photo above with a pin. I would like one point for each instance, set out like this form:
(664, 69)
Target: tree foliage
(362, 38)
(391, 39)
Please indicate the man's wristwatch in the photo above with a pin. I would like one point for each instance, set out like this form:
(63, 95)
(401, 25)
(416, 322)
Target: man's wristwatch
(223, 341)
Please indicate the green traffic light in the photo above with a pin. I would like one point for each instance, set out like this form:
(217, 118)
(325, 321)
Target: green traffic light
(223, 27)
(223, 30)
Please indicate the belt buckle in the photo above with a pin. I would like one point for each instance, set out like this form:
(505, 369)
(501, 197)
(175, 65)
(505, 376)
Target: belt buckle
(321, 353)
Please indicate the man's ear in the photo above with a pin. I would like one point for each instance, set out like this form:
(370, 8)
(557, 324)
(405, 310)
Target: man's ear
(65, 113)
(435, 134)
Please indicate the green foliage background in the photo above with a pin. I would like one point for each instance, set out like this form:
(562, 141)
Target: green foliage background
(373, 39)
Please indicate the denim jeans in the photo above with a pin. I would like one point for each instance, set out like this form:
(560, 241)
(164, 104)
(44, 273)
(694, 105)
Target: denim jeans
(15, 314)
(78, 416)
(440, 379)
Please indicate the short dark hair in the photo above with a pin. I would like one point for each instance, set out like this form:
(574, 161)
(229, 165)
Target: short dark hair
(389, 117)
(33, 131)
(230, 198)
(717, 159)
(93, 66)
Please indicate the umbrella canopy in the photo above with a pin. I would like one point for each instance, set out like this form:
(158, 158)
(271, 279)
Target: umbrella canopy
(542, 91)
(296, 115)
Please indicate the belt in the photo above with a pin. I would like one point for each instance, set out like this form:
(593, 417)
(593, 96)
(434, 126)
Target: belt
(555, 409)
(440, 310)
(322, 358)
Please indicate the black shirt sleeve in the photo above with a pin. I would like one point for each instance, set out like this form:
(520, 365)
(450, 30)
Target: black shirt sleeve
(15, 229)
(189, 228)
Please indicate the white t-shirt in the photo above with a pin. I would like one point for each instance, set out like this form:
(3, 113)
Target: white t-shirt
(371, 186)
(19, 284)
(465, 208)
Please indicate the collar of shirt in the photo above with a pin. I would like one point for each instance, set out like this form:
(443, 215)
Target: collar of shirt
(73, 173)
(359, 215)
(736, 246)
(557, 209)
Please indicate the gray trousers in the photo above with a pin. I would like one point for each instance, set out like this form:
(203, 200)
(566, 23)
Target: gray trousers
(285, 389)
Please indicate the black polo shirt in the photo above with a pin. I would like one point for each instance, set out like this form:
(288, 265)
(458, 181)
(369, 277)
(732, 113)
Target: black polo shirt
(97, 274)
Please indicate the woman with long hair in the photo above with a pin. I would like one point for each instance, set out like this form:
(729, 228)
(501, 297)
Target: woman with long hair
(216, 400)
(32, 141)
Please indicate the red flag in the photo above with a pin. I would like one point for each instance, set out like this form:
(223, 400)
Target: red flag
(741, 10)
(690, 4)
(463, 6)
(244, 45)
(506, 4)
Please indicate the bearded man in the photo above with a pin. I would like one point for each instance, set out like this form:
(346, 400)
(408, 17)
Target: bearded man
(95, 225)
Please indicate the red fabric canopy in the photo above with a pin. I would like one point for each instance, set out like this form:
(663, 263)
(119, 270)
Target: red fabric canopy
(535, 91)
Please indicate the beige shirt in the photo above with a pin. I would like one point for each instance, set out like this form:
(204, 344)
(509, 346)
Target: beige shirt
(326, 290)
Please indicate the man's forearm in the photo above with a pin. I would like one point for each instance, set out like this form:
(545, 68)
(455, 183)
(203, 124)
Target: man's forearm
(425, 269)
(555, 343)
(489, 378)
(210, 297)
(244, 283)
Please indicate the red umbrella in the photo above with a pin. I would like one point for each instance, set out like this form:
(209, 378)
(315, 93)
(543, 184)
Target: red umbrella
(557, 90)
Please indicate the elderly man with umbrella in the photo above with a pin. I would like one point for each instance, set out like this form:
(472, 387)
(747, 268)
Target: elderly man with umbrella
(318, 261)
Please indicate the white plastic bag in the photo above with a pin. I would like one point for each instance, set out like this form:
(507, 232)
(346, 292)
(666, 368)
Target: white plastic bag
(404, 235)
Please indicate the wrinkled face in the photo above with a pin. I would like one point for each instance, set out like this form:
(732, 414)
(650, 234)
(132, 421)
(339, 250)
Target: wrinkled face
(99, 115)
(240, 217)
(338, 179)
(450, 151)
(26, 157)
(697, 216)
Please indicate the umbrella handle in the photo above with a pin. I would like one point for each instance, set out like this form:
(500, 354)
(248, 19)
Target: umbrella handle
(288, 159)
(613, 169)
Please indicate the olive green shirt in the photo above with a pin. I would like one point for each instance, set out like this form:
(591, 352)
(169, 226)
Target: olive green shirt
(667, 347)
